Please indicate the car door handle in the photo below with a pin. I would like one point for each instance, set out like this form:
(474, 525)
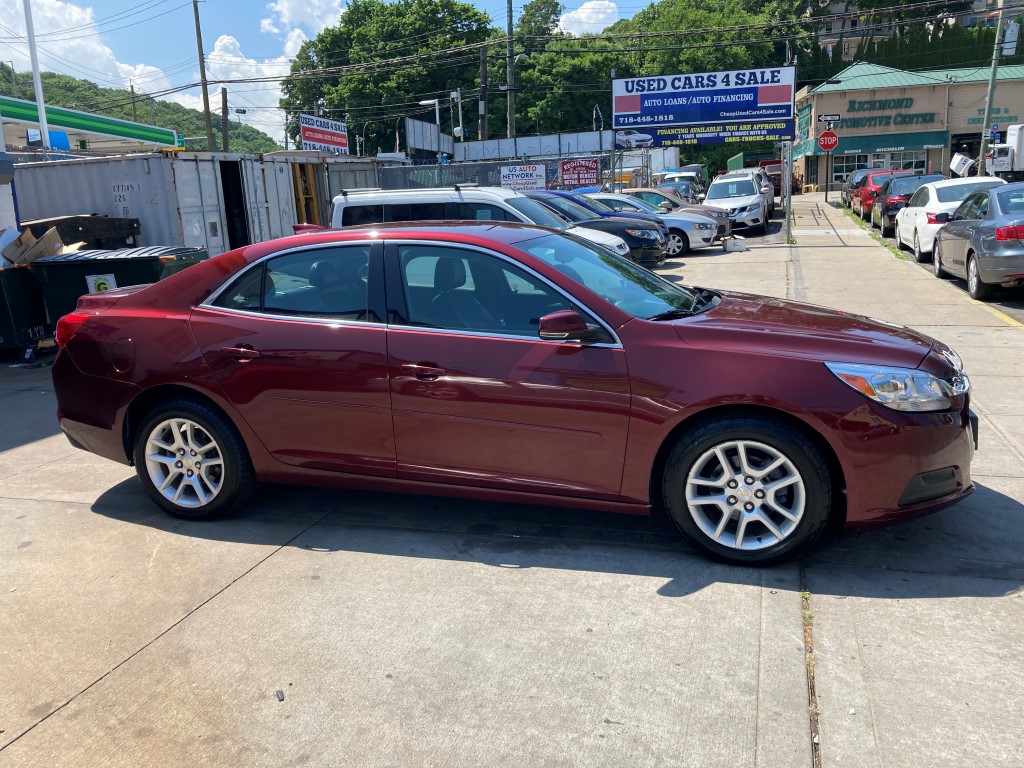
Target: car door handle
(424, 371)
(242, 353)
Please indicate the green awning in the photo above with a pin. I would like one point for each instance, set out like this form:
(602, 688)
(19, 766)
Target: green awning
(61, 119)
(890, 142)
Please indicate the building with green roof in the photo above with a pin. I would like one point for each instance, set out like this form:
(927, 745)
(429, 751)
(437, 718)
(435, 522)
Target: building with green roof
(890, 118)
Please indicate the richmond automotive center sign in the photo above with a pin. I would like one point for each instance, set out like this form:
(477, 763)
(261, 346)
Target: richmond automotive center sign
(709, 107)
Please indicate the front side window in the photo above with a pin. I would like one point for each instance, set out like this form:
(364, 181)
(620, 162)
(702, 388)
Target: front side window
(483, 212)
(418, 212)
(464, 290)
(324, 282)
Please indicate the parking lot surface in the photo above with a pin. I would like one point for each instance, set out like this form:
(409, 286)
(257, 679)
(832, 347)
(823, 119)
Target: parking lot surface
(335, 628)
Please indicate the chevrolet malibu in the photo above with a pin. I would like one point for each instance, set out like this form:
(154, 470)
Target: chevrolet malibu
(505, 362)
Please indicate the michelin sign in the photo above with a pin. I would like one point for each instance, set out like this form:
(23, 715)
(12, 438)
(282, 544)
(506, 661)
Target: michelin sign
(708, 108)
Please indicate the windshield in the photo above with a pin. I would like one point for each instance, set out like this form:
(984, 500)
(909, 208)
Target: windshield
(597, 205)
(958, 192)
(568, 208)
(628, 286)
(721, 190)
(1011, 201)
(537, 213)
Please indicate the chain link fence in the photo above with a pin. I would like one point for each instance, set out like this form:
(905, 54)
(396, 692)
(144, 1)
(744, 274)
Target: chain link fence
(487, 173)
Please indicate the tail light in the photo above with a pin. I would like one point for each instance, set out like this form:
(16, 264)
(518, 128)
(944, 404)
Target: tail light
(931, 218)
(68, 325)
(892, 202)
(1015, 232)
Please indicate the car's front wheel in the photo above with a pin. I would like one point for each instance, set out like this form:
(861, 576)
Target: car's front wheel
(751, 491)
(677, 243)
(192, 461)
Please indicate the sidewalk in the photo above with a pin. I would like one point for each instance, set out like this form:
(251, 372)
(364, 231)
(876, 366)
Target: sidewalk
(919, 629)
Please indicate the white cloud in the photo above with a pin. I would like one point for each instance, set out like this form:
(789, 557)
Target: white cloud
(314, 15)
(294, 41)
(590, 18)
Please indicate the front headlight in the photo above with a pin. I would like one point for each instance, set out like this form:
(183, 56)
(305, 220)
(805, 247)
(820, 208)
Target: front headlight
(902, 389)
(700, 226)
(643, 234)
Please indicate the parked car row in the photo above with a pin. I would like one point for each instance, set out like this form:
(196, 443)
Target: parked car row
(971, 228)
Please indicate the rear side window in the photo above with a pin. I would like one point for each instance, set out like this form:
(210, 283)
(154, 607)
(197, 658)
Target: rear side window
(354, 215)
(418, 212)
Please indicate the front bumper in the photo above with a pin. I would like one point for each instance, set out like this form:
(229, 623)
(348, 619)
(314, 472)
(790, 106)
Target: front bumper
(899, 466)
(644, 253)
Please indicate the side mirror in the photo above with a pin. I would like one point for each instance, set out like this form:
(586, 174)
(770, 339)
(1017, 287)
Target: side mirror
(942, 218)
(567, 325)
(701, 197)
(665, 205)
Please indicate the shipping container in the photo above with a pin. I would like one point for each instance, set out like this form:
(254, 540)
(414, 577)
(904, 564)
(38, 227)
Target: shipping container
(212, 200)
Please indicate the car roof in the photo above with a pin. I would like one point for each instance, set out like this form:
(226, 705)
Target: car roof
(456, 189)
(943, 184)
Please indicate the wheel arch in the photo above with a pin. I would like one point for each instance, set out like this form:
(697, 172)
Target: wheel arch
(145, 401)
(835, 468)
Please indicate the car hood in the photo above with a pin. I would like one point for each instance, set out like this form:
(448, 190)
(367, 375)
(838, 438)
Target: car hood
(766, 325)
(597, 236)
(680, 218)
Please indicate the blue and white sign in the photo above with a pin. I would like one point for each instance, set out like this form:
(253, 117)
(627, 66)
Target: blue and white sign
(730, 97)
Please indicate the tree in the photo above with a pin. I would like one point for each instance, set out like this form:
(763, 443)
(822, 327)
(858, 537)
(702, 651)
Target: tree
(373, 91)
(539, 18)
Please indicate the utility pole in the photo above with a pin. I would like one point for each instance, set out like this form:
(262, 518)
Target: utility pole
(482, 120)
(135, 117)
(202, 77)
(44, 129)
(511, 76)
(986, 125)
(224, 116)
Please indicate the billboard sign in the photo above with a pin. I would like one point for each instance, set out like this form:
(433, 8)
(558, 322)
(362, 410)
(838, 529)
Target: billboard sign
(706, 108)
(323, 134)
(524, 178)
(581, 172)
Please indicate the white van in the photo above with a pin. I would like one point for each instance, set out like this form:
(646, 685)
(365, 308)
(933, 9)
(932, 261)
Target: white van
(457, 203)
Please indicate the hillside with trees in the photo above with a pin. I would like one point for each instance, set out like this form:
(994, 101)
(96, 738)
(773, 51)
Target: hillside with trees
(64, 91)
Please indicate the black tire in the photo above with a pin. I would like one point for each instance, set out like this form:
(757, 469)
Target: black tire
(693, 452)
(937, 269)
(235, 479)
(977, 290)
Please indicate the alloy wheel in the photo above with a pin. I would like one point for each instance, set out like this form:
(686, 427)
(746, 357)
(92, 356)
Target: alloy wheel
(745, 495)
(675, 244)
(184, 463)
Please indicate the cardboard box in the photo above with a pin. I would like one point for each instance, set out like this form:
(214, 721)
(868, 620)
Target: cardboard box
(27, 248)
(734, 243)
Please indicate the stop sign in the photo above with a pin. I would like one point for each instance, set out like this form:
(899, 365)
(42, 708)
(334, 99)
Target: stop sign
(828, 141)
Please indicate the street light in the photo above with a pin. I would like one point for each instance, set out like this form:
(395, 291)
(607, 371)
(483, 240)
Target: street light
(437, 117)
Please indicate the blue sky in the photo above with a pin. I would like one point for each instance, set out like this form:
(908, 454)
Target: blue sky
(151, 43)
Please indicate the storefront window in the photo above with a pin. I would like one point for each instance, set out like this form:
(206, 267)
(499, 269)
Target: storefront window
(916, 161)
(844, 165)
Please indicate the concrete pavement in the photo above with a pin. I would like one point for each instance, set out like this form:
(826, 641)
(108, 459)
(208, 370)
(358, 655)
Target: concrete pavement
(328, 628)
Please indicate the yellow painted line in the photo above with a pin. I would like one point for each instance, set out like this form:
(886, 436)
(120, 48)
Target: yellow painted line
(1001, 315)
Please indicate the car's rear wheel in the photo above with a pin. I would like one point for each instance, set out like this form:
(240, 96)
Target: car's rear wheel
(192, 461)
(746, 490)
(937, 269)
(977, 289)
(677, 243)
(896, 236)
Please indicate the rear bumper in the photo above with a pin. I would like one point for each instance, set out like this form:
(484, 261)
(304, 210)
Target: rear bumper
(1003, 266)
(647, 254)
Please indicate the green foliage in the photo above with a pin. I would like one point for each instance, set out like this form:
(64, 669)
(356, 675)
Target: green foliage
(64, 91)
(373, 99)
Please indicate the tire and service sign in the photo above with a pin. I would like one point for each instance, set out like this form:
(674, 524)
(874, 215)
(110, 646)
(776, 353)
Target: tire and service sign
(323, 134)
(523, 177)
(708, 108)
(581, 172)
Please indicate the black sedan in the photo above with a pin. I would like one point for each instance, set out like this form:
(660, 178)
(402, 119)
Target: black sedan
(646, 240)
(894, 194)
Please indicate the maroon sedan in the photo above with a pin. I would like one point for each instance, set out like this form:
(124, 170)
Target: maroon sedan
(505, 362)
(863, 196)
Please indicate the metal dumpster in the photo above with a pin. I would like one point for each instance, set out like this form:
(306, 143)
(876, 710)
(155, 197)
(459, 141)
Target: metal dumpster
(66, 276)
(22, 314)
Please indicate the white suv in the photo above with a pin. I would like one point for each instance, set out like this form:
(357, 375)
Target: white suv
(744, 199)
(457, 203)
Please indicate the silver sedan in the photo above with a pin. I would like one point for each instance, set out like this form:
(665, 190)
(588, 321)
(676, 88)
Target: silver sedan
(983, 241)
(686, 229)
